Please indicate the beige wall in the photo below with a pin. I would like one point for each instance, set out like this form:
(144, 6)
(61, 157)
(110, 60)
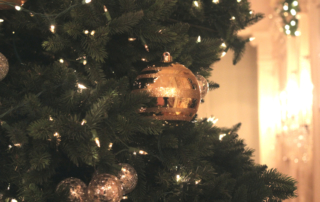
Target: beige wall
(237, 98)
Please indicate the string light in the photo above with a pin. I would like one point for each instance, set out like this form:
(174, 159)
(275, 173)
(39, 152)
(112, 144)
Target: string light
(81, 86)
(178, 178)
(142, 152)
(224, 45)
(143, 59)
(52, 28)
(213, 119)
(288, 31)
(31, 14)
(92, 32)
(199, 39)
(196, 3)
(252, 38)
(97, 141)
(61, 60)
(238, 1)
(56, 134)
(83, 122)
(215, 1)
(105, 9)
(297, 33)
(293, 12)
(223, 54)
(296, 160)
(84, 60)
(86, 31)
(221, 136)
(131, 39)
(18, 8)
(50, 118)
(17, 145)
(87, 1)
(285, 7)
(125, 197)
(293, 23)
(1, 20)
(146, 47)
(295, 3)
(197, 182)
(14, 200)
(287, 27)
(134, 153)
(233, 18)
(250, 12)
(110, 146)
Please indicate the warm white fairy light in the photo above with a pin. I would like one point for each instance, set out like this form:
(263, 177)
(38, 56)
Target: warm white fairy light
(131, 39)
(83, 122)
(143, 59)
(61, 60)
(10, 146)
(178, 178)
(14, 200)
(196, 3)
(142, 152)
(197, 181)
(146, 47)
(86, 31)
(215, 1)
(221, 136)
(105, 9)
(224, 45)
(213, 119)
(233, 18)
(50, 118)
(297, 33)
(293, 23)
(17, 145)
(56, 134)
(223, 54)
(252, 38)
(285, 7)
(134, 153)
(52, 28)
(1, 20)
(296, 160)
(92, 32)
(293, 12)
(288, 31)
(295, 3)
(18, 8)
(13, 32)
(287, 26)
(125, 197)
(81, 86)
(250, 12)
(110, 146)
(238, 1)
(199, 39)
(87, 1)
(97, 141)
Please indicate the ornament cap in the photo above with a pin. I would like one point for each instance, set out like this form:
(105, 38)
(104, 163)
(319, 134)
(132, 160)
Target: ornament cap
(166, 57)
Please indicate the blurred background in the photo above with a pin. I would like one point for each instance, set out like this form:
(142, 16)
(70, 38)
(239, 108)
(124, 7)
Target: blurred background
(274, 91)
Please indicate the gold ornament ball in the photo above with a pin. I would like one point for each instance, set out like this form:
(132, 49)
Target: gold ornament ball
(173, 86)
(128, 178)
(77, 189)
(13, 2)
(4, 66)
(105, 188)
(203, 85)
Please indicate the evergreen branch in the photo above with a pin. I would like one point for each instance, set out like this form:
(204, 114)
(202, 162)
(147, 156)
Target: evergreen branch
(193, 25)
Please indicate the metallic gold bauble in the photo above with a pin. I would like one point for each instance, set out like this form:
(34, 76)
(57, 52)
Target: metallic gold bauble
(77, 189)
(105, 188)
(203, 85)
(128, 178)
(174, 88)
(4, 66)
(12, 2)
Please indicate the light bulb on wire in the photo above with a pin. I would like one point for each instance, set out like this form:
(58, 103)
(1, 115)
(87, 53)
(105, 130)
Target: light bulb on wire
(293, 23)
(293, 12)
(295, 3)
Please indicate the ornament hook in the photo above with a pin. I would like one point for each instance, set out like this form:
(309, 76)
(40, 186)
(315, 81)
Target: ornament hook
(166, 57)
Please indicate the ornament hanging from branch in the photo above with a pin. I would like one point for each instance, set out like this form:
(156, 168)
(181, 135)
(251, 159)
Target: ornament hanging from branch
(77, 189)
(4, 66)
(128, 178)
(174, 89)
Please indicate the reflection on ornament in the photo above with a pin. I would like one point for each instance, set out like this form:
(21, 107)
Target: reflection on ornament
(203, 85)
(105, 187)
(4, 66)
(174, 89)
(77, 189)
(128, 178)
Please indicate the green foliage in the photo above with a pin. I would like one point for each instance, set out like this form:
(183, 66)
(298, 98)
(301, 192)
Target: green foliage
(50, 127)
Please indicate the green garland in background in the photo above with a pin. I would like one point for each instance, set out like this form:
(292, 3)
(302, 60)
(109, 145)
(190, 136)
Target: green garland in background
(289, 12)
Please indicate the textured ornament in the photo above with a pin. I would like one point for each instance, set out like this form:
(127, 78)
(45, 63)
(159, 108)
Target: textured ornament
(77, 189)
(174, 89)
(12, 2)
(4, 66)
(128, 178)
(105, 188)
(203, 85)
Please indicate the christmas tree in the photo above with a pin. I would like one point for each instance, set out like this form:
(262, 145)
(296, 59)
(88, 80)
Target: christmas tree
(70, 116)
